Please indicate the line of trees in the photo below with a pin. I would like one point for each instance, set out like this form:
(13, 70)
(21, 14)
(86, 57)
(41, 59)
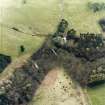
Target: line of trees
(96, 6)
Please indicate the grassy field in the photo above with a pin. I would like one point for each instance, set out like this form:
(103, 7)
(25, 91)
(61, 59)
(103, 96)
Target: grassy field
(38, 16)
(42, 16)
(30, 19)
(97, 95)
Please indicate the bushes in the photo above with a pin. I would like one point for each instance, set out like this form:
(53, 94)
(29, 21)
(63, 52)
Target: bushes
(22, 48)
(90, 40)
(71, 34)
(84, 46)
(96, 7)
(102, 24)
(4, 61)
(97, 75)
(4, 100)
(62, 26)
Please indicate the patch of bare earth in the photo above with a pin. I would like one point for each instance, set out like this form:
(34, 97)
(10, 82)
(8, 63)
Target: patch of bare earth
(50, 78)
(58, 88)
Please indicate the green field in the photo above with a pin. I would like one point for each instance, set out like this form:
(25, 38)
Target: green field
(38, 16)
(42, 16)
(97, 95)
(30, 19)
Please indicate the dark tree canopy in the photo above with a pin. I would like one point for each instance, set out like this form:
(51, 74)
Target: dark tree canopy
(102, 24)
(4, 61)
(62, 26)
(22, 48)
